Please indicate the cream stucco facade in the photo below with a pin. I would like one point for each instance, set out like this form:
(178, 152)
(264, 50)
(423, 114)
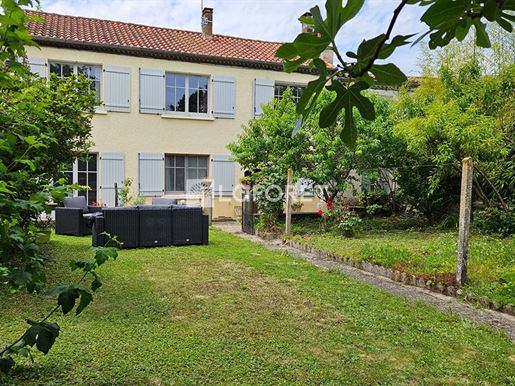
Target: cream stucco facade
(133, 132)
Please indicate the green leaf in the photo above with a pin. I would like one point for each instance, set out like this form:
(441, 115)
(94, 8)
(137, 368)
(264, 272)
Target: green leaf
(444, 12)
(320, 25)
(29, 337)
(102, 254)
(287, 51)
(96, 283)
(482, 39)
(333, 11)
(31, 140)
(506, 25)
(350, 10)
(462, 29)
(46, 340)
(388, 74)
(67, 298)
(309, 45)
(349, 133)
(312, 90)
(397, 41)
(85, 299)
(366, 51)
(490, 10)
(347, 98)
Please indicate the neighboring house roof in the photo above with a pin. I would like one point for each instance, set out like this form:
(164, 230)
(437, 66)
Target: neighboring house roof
(142, 40)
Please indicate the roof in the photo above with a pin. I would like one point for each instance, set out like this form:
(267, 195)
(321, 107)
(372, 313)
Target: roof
(142, 40)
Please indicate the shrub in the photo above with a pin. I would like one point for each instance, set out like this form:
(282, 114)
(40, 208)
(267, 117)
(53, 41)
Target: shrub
(495, 221)
(339, 217)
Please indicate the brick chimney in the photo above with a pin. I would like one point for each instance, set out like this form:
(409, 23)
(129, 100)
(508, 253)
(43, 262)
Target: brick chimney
(327, 55)
(207, 22)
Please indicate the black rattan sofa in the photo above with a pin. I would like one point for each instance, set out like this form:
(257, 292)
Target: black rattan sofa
(151, 226)
(75, 217)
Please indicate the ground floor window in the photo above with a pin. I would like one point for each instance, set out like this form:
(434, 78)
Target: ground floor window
(84, 172)
(179, 169)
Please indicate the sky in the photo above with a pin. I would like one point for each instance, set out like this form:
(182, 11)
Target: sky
(274, 20)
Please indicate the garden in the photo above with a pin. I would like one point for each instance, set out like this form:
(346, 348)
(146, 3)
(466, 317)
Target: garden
(403, 175)
(236, 312)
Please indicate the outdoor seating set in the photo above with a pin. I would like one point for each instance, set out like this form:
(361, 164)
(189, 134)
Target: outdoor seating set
(163, 223)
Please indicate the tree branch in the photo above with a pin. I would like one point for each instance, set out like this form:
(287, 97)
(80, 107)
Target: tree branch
(396, 13)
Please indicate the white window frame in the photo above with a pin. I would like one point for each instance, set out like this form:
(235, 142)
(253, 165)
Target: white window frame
(186, 113)
(75, 66)
(75, 176)
(292, 85)
(186, 156)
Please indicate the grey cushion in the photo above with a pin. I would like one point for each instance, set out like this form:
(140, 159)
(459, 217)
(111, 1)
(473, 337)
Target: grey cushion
(164, 201)
(176, 207)
(76, 202)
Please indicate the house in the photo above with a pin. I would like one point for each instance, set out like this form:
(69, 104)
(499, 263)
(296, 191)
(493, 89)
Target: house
(172, 101)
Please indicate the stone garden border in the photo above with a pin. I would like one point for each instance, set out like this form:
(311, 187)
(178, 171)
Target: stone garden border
(403, 277)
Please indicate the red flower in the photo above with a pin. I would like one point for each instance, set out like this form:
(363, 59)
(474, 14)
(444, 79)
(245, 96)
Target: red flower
(330, 206)
(320, 212)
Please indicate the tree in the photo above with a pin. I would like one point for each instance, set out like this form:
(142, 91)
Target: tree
(267, 149)
(44, 125)
(460, 114)
(445, 20)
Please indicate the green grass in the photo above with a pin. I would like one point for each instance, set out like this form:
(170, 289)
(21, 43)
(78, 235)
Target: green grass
(233, 312)
(431, 253)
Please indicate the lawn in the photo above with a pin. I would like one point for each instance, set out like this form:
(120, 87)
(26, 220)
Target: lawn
(233, 312)
(430, 253)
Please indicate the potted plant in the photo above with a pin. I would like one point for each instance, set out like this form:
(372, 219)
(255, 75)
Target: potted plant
(297, 206)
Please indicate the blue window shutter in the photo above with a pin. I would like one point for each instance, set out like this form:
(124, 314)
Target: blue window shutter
(151, 91)
(117, 88)
(224, 96)
(151, 174)
(263, 93)
(222, 173)
(37, 66)
(112, 169)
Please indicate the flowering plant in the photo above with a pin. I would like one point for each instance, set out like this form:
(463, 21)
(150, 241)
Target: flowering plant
(338, 216)
(94, 203)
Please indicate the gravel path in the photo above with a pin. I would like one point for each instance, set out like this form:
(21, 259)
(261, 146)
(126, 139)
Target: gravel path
(491, 318)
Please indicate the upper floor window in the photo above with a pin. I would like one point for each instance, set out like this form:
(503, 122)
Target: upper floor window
(187, 93)
(91, 72)
(280, 89)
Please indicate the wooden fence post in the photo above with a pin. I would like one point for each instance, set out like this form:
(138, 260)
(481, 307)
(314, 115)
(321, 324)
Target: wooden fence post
(465, 212)
(288, 201)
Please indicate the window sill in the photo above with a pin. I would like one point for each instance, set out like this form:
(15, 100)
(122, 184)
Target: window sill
(191, 117)
(101, 112)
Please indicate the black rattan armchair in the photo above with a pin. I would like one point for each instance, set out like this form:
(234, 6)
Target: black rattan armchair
(75, 218)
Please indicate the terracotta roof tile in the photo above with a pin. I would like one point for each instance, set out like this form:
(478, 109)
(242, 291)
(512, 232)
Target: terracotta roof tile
(75, 29)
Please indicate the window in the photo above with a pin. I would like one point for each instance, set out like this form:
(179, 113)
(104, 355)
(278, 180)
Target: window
(180, 170)
(91, 72)
(84, 172)
(187, 93)
(281, 88)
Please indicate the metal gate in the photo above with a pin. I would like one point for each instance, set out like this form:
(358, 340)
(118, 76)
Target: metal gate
(248, 211)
